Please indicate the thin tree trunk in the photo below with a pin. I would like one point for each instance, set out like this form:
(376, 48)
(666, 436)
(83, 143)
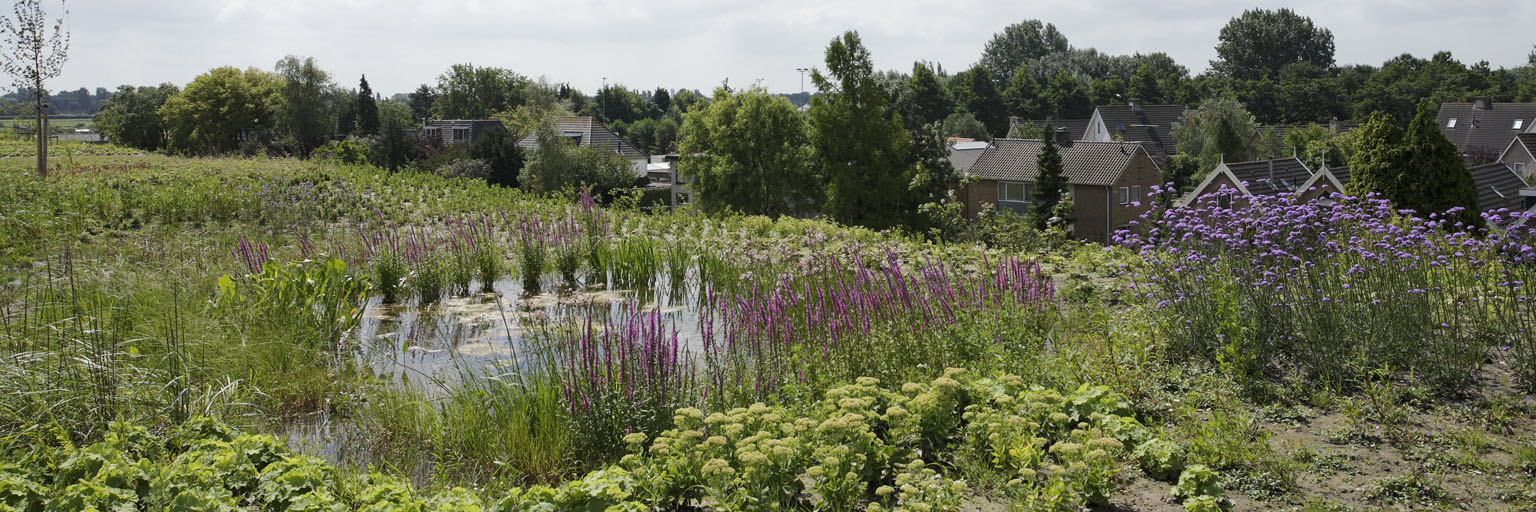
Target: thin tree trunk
(42, 138)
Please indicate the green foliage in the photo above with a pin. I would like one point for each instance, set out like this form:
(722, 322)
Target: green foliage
(367, 109)
(1221, 129)
(317, 296)
(220, 109)
(499, 151)
(131, 116)
(1065, 97)
(1051, 182)
(1262, 41)
(1434, 178)
(1022, 97)
(747, 152)
(863, 154)
(1160, 459)
(965, 125)
(303, 109)
(351, 151)
(976, 92)
(925, 100)
(560, 165)
(1198, 480)
(468, 92)
(1020, 43)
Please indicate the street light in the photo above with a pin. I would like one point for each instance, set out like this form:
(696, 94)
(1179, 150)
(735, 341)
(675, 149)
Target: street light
(802, 71)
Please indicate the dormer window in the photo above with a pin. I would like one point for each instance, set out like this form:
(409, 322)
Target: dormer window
(1519, 123)
(1451, 124)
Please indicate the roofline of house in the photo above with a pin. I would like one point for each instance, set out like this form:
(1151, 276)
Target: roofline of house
(1320, 174)
(1512, 142)
(1220, 169)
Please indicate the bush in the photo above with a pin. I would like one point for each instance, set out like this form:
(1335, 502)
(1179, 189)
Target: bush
(474, 169)
(352, 151)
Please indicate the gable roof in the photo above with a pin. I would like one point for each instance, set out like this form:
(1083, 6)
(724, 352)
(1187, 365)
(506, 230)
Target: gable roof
(588, 133)
(1526, 141)
(1340, 173)
(1318, 178)
(1084, 163)
(1271, 177)
(1497, 187)
(1484, 129)
(1150, 125)
(1077, 128)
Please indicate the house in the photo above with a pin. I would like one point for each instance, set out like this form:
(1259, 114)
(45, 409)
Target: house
(963, 154)
(1074, 127)
(1520, 155)
(589, 132)
(1498, 187)
(1482, 128)
(1150, 125)
(662, 172)
(459, 131)
(1271, 178)
(1107, 182)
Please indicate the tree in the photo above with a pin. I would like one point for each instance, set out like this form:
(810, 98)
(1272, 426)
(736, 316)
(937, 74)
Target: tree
(132, 118)
(468, 92)
(863, 155)
(222, 109)
(964, 125)
(747, 152)
(1261, 42)
(1020, 43)
(926, 100)
(392, 148)
(305, 114)
(496, 147)
(977, 93)
(1145, 86)
(558, 164)
(37, 54)
(1434, 177)
(367, 109)
(421, 102)
(1065, 98)
(1051, 182)
(1221, 129)
(1022, 97)
(1379, 156)
(662, 99)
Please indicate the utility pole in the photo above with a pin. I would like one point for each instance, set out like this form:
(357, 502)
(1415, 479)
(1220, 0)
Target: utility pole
(802, 71)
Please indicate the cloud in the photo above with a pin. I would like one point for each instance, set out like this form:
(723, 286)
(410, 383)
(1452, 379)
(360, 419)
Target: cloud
(699, 43)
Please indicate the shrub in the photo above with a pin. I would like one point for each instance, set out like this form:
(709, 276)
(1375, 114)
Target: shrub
(352, 151)
(1198, 480)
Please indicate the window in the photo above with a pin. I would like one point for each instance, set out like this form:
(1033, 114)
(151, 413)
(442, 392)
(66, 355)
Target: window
(1225, 201)
(1451, 124)
(1136, 193)
(1015, 196)
(1520, 169)
(1518, 124)
(1125, 195)
(460, 133)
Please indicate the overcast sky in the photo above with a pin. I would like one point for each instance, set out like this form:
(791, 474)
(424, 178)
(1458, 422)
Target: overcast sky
(697, 43)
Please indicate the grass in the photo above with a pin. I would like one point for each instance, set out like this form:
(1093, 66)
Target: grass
(144, 282)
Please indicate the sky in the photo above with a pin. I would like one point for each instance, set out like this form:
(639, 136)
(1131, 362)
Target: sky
(697, 44)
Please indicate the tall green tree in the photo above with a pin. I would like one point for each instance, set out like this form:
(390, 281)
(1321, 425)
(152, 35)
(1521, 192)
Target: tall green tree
(1051, 182)
(393, 147)
(35, 54)
(220, 109)
(977, 93)
(1435, 178)
(1146, 86)
(1020, 43)
(1221, 129)
(558, 164)
(747, 152)
(1261, 42)
(662, 98)
(305, 108)
(131, 117)
(422, 100)
(1066, 98)
(1022, 97)
(496, 147)
(1379, 158)
(367, 109)
(863, 155)
(926, 100)
(469, 92)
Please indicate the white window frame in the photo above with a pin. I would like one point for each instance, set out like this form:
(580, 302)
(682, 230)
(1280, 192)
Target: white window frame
(1027, 188)
(1520, 169)
(1136, 193)
(1519, 123)
(1125, 195)
(1451, 123)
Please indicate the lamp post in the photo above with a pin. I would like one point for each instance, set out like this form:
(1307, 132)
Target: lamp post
(802, 78)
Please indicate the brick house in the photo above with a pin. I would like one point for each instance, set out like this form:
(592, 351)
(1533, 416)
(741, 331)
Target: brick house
(1482, 128)
(1107, 182)
(1150, 125)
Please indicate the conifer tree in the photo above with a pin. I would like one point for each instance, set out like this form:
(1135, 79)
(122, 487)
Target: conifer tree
(1435, 178)
(367, 110)
(1050, 180)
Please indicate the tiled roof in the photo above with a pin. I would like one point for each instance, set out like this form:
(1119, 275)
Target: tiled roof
(963, 155)
(1529, 140)
(1487, 129)
(1341, 172)
(1151, 125)
(1085, 163)
(1270, 177)
(1497, 187)
(589, 133)
(1077, 128)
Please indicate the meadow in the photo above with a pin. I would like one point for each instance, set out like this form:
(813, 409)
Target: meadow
(273, 334)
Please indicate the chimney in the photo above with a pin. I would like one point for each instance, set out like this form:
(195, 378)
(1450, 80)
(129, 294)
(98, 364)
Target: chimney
(1063, 138)
(1482, 103)
(1136, 105)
